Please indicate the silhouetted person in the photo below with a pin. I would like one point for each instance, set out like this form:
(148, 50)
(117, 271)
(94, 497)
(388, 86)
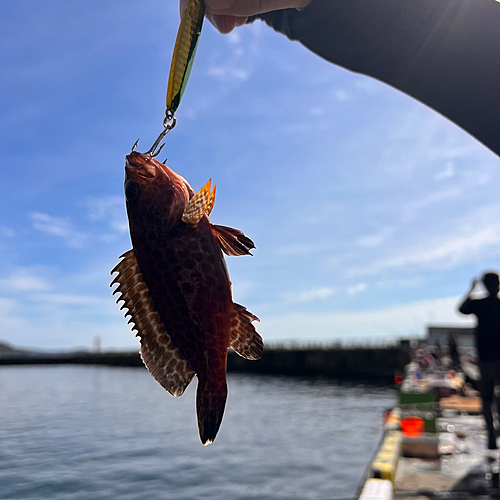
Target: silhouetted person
(487, 311)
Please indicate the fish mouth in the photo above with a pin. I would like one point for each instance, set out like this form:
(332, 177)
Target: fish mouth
(139, 164)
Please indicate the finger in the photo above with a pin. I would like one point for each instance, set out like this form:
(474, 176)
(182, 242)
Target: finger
(251, 7)
(182, 6)
(240, 21)
(225, 24)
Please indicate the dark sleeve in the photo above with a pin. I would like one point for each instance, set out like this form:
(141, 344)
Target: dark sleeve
(445, 53)
(468, 306)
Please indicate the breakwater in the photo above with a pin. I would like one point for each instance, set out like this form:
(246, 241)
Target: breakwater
(357, 363)
(371, 364)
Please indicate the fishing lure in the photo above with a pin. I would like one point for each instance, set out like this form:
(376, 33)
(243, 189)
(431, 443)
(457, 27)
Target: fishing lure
(184, 52)
(180, 69)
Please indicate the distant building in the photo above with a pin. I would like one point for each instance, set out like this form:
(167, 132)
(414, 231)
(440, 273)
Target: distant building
(97, 343)
(438, 335)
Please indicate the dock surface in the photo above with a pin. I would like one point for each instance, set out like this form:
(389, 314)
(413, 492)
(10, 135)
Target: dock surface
(465, 468)
(445, 456)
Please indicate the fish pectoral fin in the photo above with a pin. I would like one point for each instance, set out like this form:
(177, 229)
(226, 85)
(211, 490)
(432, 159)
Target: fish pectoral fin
(161, 357)
(199, 205)
(232, 241)
(245, 341)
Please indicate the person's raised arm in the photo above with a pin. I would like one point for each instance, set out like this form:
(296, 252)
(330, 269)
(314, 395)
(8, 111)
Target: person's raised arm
(443, 53)
(465, 305)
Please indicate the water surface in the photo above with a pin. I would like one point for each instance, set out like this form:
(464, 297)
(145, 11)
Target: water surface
(82, 432)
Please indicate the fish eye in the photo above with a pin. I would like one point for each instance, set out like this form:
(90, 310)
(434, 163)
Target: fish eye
(132, 191)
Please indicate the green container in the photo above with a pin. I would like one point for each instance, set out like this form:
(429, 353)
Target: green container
(419, 404)
(416, 398)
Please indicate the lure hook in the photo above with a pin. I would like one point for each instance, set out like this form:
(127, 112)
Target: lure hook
(168, 124)
(136, 143)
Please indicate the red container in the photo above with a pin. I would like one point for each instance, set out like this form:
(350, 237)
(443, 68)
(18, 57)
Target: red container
(412, 426)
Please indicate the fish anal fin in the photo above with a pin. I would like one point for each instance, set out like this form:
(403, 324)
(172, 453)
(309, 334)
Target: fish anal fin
(164, 362)
(245, 341)
(199, 205)
(232, 241)
(161, 357)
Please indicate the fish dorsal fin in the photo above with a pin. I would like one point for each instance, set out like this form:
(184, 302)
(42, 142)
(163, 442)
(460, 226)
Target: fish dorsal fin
(163, 360)
(232, 241)
(245, 340)
(199, 205)
(211, 203)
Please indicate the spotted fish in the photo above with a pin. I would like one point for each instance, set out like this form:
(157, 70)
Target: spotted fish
(177, 290)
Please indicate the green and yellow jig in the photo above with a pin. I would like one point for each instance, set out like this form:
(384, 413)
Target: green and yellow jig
(184, 52)
(182, 62)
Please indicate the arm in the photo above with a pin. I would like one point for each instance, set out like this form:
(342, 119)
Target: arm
(443, 53)
(466, 306)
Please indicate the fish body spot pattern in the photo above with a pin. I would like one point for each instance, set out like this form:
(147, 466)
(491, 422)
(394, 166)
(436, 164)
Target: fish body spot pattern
(176, 289)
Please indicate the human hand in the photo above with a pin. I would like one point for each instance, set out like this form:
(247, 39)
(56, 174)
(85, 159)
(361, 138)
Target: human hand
(225, 15)
(473, 284)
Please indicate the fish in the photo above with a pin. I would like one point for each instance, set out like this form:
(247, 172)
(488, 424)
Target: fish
(175, 287)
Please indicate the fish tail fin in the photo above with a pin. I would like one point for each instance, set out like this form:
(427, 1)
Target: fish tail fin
(210, 410)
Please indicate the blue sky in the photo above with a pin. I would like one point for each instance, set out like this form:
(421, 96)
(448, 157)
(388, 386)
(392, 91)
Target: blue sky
(370, 212)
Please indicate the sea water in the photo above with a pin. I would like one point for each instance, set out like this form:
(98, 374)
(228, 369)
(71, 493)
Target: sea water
(84, 432)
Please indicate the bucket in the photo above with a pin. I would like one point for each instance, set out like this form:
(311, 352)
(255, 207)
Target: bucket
(412, 427)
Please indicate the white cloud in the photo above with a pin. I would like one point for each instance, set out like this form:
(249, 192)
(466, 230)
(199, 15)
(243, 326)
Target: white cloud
(7, 232)
(469, 239)
(356, 289)
(241, 290)
(7, 306)
(304, 249)
(227, 73)
(59, 327)
(111, 210)
(368, 85)
(411, 209)
(395, 322)
(234, 37)
(316, 111)
(400, 283)
(311, 295)
(63, 320)
(11, 321)
(447, 173)
(232, 66)
(23, 280)
(376, 239)
(413, 144)
(57, 226)
(63, 299)
(341, 95)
